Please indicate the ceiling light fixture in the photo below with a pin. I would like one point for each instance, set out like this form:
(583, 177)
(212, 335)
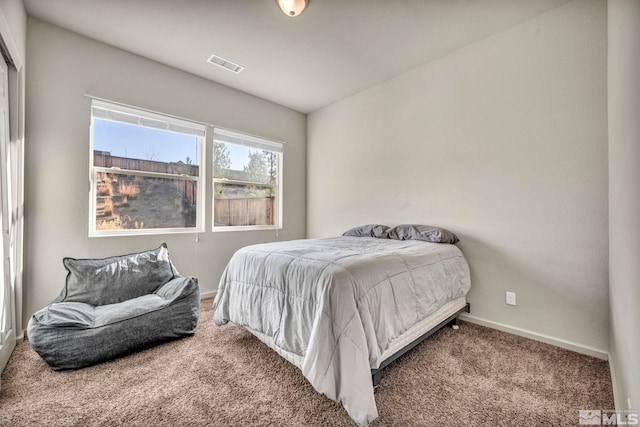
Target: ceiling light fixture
(292, 8)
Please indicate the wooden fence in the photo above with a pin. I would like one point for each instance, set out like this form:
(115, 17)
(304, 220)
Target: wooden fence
(244, 211)
(187, 189)
(229, 212)
(106, 160)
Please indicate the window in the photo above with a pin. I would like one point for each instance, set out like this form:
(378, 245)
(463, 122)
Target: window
(246, 177)
(145, 172)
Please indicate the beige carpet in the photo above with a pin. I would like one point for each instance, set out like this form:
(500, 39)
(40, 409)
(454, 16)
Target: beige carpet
(474, 376)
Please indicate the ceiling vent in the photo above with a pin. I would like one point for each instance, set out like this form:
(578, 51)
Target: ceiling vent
(225, 63)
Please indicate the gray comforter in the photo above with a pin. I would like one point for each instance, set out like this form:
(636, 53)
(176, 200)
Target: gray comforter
(338, 303)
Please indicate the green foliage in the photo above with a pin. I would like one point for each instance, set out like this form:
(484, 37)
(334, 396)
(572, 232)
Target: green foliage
(262, 168)
(221, 163)
(272, 165)
(221, 160)
(256, 170)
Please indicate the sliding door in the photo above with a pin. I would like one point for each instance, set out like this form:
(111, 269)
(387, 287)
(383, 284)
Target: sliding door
(7, 273)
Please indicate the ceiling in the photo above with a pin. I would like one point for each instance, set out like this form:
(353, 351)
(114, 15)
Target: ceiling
(334, 49)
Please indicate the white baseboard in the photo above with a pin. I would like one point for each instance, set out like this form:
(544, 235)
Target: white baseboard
(614, 385)
(569, 345)
(209, 294)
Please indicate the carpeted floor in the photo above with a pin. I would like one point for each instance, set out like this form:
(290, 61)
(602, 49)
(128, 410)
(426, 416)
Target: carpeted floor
(474, 376)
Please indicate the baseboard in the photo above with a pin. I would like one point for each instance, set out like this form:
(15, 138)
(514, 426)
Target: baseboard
(569, 345)
(614, 385)
(209, 294)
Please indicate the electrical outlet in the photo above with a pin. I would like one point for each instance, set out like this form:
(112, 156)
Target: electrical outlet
(511, 298)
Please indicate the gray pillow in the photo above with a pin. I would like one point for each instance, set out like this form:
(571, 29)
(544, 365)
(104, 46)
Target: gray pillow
(425, 233)
(369, 230)
(116, 279)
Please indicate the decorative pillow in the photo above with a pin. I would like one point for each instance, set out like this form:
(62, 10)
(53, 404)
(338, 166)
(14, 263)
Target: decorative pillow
(116, 279)
(426, 233)
(369, 230)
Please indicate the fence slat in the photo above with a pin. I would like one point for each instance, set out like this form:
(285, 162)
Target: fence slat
(246, 211)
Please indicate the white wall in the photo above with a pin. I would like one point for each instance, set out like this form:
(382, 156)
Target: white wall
(63, 67)
(504, 142)
(624, 199)
(13, 15)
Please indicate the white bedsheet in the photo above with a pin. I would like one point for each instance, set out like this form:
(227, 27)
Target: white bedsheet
(338, 303)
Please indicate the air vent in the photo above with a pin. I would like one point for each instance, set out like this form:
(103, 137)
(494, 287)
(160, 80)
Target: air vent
(225, 63)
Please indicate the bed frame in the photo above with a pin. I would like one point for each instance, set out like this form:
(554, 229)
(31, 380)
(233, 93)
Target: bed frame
(376, 374)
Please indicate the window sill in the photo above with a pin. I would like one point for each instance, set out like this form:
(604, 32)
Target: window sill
(147, 232)
(220, 229)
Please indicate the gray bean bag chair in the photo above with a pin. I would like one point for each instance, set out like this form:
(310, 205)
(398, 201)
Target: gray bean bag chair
(114, 306)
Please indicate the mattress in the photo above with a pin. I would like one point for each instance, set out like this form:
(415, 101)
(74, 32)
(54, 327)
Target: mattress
(337, 307)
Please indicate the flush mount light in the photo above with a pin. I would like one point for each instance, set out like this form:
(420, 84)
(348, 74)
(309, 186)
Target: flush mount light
(292, 8)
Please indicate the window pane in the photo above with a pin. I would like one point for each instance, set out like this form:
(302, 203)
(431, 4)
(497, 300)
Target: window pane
(140, 148)
(242, 205)
(127, 202)
(244, 163)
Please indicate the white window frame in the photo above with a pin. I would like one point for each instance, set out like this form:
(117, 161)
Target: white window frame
(242, 139)
(141, 117)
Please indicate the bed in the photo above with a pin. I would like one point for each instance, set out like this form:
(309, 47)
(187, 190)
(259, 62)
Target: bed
(342, 308)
